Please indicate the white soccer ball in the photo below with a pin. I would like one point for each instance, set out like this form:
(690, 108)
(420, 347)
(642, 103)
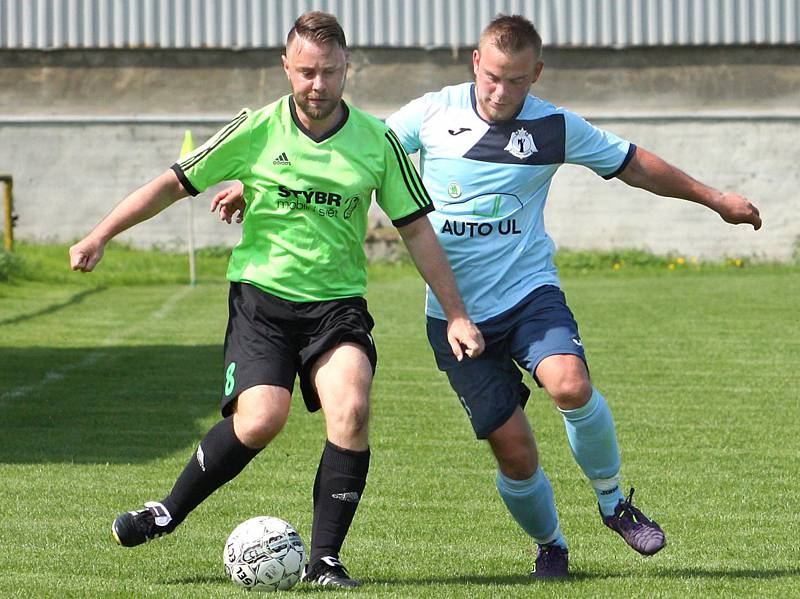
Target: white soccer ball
(264, 554)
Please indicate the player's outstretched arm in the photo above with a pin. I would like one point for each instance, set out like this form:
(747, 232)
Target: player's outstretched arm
(648, 171)
(230, 202)
(429, 257)
(144, 203)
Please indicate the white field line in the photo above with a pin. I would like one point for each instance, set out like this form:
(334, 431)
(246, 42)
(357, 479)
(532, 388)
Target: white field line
(93, 357)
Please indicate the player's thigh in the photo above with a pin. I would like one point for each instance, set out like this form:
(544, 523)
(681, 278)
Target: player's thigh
(489, 387)
(338, 355)
(342, 378)
(546, 342)
(258, 346)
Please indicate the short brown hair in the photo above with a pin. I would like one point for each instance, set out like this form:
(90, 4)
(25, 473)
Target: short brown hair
(512, 33)
(319, 27)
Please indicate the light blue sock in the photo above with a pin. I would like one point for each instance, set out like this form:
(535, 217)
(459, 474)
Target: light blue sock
(593, 440)
(532, 505)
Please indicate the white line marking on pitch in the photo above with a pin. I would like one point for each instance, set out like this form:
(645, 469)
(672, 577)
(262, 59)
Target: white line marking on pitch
(56, 375)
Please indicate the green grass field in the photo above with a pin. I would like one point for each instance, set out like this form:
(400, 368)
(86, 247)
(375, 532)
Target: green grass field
(106, 386)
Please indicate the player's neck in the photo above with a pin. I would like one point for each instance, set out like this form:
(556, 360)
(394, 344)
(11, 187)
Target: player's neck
(320, 127)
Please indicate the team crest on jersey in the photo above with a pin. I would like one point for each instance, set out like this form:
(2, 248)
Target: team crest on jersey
(521, 144)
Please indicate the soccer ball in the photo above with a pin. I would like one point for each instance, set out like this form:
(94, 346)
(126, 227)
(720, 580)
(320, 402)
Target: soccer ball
(264, 554)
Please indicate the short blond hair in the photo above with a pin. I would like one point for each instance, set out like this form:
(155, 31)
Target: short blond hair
(510, 34)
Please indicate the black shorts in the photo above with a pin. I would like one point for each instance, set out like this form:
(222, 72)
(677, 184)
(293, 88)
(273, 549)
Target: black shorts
(269, 340)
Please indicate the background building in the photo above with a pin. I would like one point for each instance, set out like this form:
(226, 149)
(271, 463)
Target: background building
(95, 96)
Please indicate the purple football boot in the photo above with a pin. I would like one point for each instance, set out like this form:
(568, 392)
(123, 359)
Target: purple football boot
(552, 561)
(639, 531)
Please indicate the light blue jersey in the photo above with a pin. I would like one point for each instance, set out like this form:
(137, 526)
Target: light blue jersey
(489, 183)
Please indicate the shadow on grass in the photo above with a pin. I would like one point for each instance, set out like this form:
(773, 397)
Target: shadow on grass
(75, 299)
(370, 584)
(720, 573)
(507, 580)
(123, 404)
(205, 579)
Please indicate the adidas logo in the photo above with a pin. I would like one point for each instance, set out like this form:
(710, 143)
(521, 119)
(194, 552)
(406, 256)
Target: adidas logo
(349, 497)
(282, 160)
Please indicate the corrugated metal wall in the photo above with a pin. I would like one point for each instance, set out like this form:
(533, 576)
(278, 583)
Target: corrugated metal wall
(394, 23)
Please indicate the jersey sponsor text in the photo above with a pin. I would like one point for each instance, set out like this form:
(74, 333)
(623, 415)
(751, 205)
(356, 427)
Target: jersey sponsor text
(480, 229)
(311, 195)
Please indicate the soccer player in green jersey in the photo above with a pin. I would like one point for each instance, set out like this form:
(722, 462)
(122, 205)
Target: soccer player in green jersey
(310, 164)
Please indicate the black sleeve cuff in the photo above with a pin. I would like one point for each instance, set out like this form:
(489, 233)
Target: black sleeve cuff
(407, 220)
(184, 181)
(628, 158)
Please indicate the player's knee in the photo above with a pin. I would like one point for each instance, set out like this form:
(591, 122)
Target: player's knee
(570, 391)
(516, 454)
(256, 428)
(518, 464)
(349, 416)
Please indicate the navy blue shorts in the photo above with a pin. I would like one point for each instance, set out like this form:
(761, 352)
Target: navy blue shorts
(490, 386)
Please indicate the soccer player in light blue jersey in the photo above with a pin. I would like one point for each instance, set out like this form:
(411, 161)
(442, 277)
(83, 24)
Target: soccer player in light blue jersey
(488, 153)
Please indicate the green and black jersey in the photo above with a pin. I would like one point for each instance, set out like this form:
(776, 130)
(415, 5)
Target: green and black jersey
(307, 198)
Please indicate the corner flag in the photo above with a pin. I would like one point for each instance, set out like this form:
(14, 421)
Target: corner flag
(186, 149)
(188, 144)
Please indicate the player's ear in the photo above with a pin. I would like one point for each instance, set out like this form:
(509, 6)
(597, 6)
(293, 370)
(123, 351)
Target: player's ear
(285, 62)
(537, 71)
(476, 61)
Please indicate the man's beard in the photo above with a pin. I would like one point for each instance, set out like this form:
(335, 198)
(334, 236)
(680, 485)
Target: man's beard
(317, 112)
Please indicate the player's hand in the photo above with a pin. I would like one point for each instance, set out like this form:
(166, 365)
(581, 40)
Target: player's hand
(85, 254)
(737, 210)
(464, 337)
(230, 202)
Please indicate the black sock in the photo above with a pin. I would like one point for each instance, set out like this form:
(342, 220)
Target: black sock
(341, 478)
(219, 457)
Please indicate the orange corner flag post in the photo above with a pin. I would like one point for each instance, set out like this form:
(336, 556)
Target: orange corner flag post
(186, 149)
